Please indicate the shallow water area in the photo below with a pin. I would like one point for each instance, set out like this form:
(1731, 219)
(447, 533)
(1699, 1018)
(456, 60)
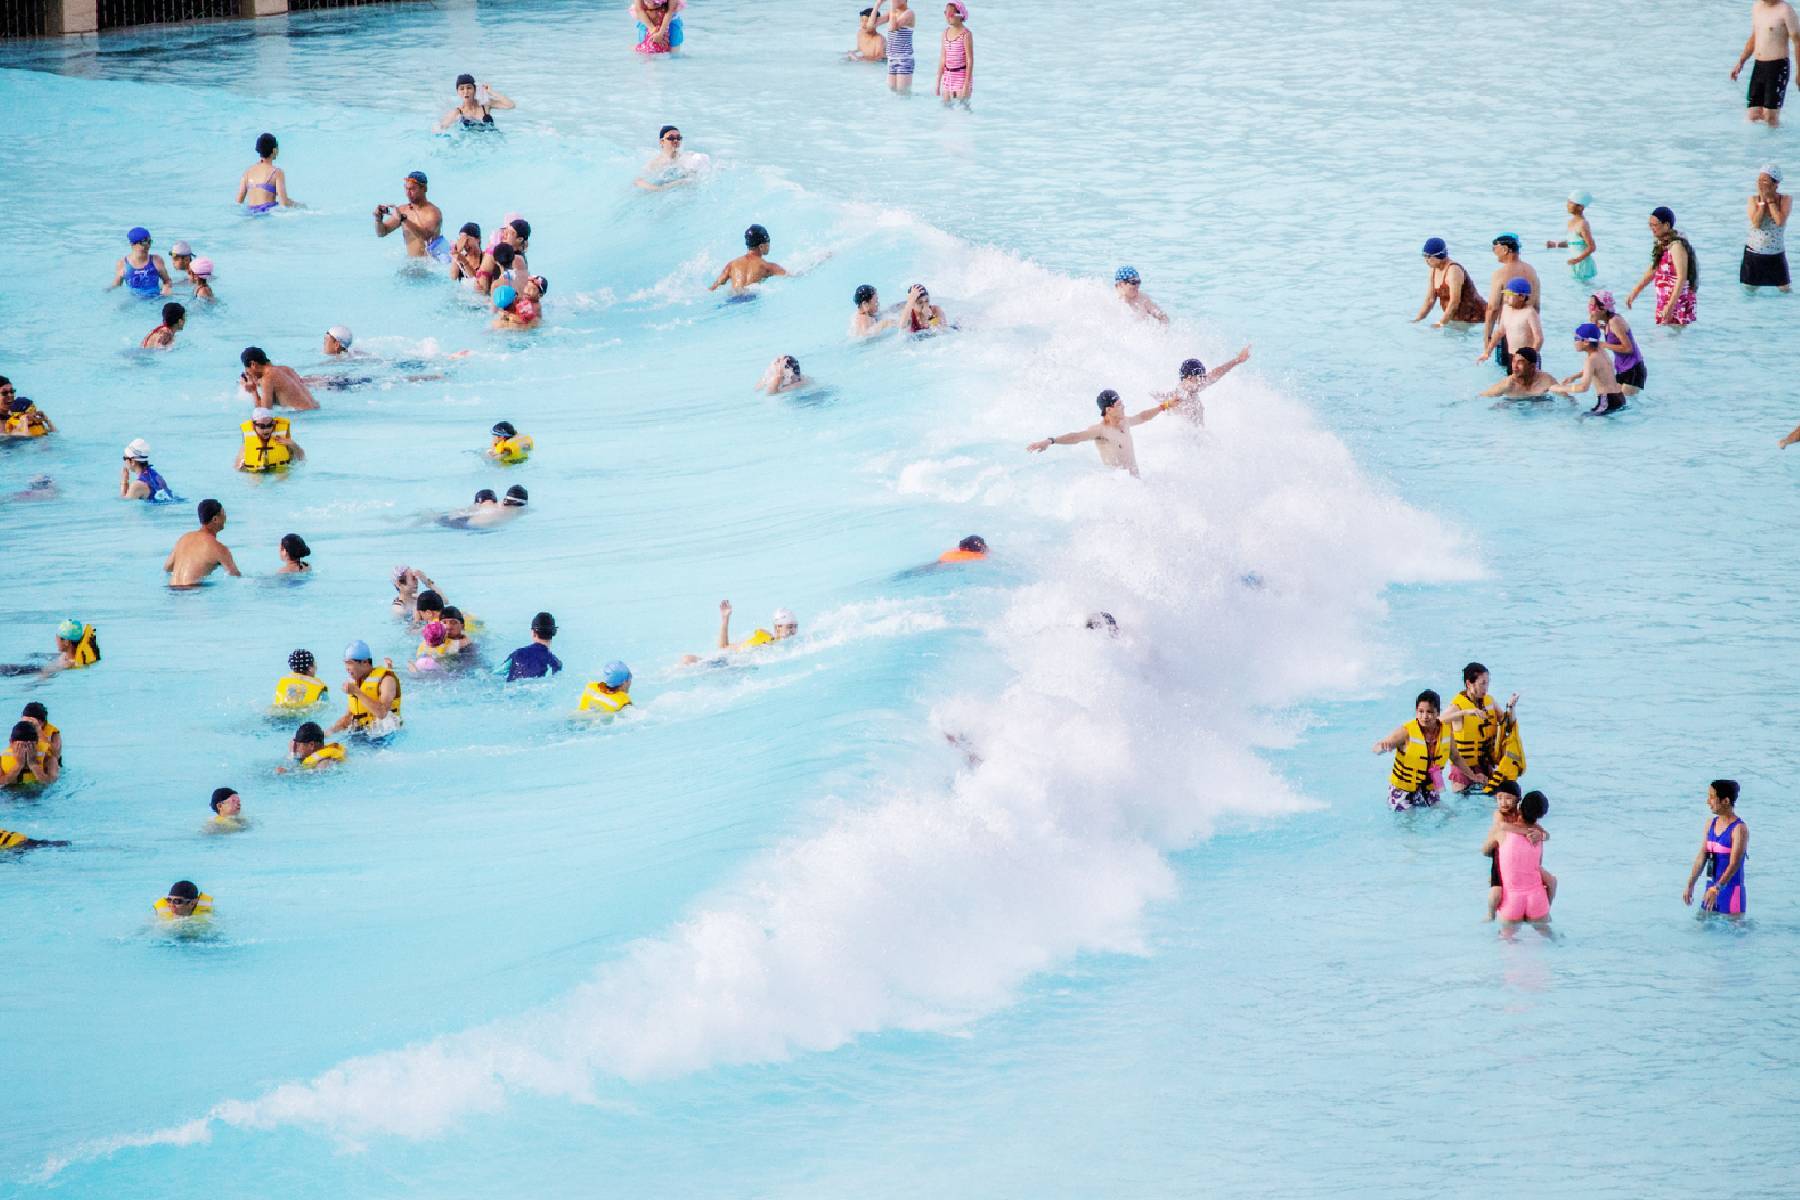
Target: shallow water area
(774, 934)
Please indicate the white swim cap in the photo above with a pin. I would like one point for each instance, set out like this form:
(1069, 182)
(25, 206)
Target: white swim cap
(1771, 170)
(785, 616)
(341, 335)
(262, 414)
(138, 448)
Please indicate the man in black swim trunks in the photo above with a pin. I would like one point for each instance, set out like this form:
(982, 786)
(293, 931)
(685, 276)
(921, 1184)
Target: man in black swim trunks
(1773, 27)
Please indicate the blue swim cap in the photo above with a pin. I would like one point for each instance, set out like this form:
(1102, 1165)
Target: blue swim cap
(1519, 287)
(418, 177)
(69, 630)
(138, 234)
(1509, 240)
(1588, 332)
(1126, 275)
(1435, 248)
(615, 674)
(504, 296)
(358, 651)
(1193, 368)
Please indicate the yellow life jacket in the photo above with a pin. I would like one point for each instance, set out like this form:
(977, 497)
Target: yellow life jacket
(594, 698)
(371, 687)
(9, 760)
(1413, 764)
(87, 648)
(956, 556)
(260, 457)
(298, 691)
(515, 449)
(441, 650)
(202, 908)
(10, 840)
(1511, 762)
(329, 752)
(1474, 736)
(29, 423)
(761, 637)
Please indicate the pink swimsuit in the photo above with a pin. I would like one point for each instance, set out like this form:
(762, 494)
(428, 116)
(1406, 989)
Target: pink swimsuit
(1686, 306)
(1522, 897)
(956, 65)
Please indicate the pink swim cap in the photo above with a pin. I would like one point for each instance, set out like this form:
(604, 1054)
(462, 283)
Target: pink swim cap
(201, 267)
(962, 10)
(434, 633)
(1606, 301)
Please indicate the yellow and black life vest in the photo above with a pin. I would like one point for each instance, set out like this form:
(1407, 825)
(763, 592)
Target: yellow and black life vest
(371, 687)
(10, 840)
(1414, 762)
(597, 699)
(1475, 735)
(9, 760)
(261, 456)
(298, 691)
(202, 908)
(515, 449)
(87, 647)
(1510, 763)
(29, 423)
(329, 752)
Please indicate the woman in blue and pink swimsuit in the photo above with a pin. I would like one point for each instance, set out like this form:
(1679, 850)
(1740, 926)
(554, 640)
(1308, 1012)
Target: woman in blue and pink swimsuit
(1723, 849)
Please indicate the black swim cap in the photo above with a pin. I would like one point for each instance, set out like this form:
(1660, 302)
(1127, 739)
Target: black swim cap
(184, 890)
(220, 795)
(1507, 786)
(295, 545)
(665, 131)
(504, 429)
(756, 236)
(430, 601)
(36, 710)
(300, 662)
(253, 354)
(485, 494)
(24, 731)
(515, 492)
(974, 542)
(504, 254)
(472, 229)
(1106, 399)
(208, 509)
(309, 732)
(1193, 368)
(450, 613)
(465, 77)
(543, 625)
(266, 145)
(522, 227)
(865, 293)
(791, 363)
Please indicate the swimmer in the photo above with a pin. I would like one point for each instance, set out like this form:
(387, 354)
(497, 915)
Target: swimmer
(489, 511)
(38, 487)
(670, 166)
(1112, 436)
(50, 739)
(918, 314)
(868, 319)
(1518, 327)
(1579, 240)
(77, 647)
(1791, 438)
(420, 220)
(466, 253)
(407, 583)
(534, 659)
(784, 625)
(1527, 381)
(428, 608)
(141, 271)
(609, 694)
(1519, 855)
(1773, 27)
(509, 445)
(264, 178)
(338, 340)
(456, 635)
(1444, 279)
(267, 444)
(10, 841)
(475, 103)
(900, 23)
(271, 385)
(24, 419)
(1128, 286)
(1194, 379)
(1507, 820)
(1102, 620)
(228, 812)
(513, 309)
(294, 551)
(432, 646)
(1598, 372)
(956, 58)
(1723, 847)
(25, 759)
(181, 260)
(200, 275)
(973, 548)
(199, 551)
(308, 750)
(658, 25)
(1628, 357)
(1421, 749)
(783, 375)
(373, 706)
(870, 45)
(138, 480)
(1506, 252)
(300, 688)
(184, 902)
(752, 267)
(174, 320)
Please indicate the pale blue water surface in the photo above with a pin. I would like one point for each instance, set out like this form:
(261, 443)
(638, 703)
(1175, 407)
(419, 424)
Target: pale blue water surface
(773, 936)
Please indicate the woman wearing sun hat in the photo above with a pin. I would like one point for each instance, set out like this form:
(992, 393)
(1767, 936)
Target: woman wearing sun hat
(1765, 247)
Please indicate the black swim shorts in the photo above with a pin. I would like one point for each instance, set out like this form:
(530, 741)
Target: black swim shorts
(1768, 84)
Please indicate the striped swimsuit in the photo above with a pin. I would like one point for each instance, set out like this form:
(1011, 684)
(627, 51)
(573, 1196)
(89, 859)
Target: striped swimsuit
(900, 54)
(956, 66)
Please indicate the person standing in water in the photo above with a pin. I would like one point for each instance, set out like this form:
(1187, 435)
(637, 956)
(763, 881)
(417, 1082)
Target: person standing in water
(141, 271)
(1723, 847)
(1506, 251)
(272, 385)
(1448, 285)
(533, 660)
(868, 319)
(670, 166)
(1519, 853)
(1507, 820)
(372, 708)
(1519, 327)
(659, 28)
(1765, 247)
(1194, 379)
(264, 185)
(421, 221)
(750, 268)
(1580, 239)
(475, 103)
(1128, 285)
(1421, 748)
(1597, 372)
(956, 62)
(1774, 26)
(1628, 358)
(1527, 381)
(900, 22)
(199, 551)
(174, 319)
(1112, 436)
(1674, 270)
(870, 47)
(138, 480)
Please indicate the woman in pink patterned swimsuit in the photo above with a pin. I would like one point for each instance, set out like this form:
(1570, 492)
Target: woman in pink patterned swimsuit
(1674, 270)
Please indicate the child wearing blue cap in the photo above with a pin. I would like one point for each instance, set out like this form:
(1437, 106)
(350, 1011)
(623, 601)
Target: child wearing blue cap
(1597, 371)
(143, 272)
(1519, 326)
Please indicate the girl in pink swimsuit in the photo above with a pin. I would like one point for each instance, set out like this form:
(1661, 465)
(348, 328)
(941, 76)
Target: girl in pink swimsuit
(1521, 859)
(956, 67)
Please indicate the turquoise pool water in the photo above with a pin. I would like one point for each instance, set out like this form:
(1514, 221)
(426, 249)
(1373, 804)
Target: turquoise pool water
(775, 936)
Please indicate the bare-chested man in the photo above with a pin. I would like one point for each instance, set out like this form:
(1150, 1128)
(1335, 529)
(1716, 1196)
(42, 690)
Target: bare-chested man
(747, 270)
(1112, 436)
(272, 385)
(196, 553)
(419, 219)
(1773, 27)
(1506, 250)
